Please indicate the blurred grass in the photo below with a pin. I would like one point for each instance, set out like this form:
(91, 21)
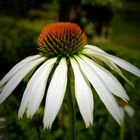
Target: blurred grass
(17, 40)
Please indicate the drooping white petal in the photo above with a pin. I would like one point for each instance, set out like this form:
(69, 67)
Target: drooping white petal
(122, 112)
(120, 62)
(55, 93)
(104, 94)
(103, 57)
(38, 88)
(125, 65)
(83, 94)
(17, 78)
(16, 68)
(116, 69)
(94, 48)
(129, 110)
(35, 89)
(109, 80)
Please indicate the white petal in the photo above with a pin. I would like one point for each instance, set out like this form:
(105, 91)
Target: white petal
(130, 111)
(94, 48)
(120, 62)
(55, 94)
(104, 57)
(16, 68)
(102, 91)
(125, 65)
(109, 80)
(39, 86)
(122, 112)
(83, 95)
(35, 89)
(17, 78)
(116, 69)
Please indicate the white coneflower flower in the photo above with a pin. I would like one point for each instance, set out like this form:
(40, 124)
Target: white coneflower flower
(60, 45)
(125, 108)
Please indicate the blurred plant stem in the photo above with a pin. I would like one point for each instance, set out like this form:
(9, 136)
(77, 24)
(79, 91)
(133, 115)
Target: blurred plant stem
(71, 106)
(38, 127)
(122, 131)
(38, 132)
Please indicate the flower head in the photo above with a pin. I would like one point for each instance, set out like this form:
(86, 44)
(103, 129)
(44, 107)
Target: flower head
(61, 39)
(125, 108)
(61, 45)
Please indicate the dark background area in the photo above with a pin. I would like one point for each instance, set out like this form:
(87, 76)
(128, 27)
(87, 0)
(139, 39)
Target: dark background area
(111, 25)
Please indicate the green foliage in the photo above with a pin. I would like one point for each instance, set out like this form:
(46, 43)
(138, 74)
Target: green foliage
(113, 3)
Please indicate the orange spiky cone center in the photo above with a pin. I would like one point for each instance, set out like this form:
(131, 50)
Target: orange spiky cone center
(61, 39)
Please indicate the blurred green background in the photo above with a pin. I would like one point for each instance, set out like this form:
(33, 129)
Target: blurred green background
(113, 25)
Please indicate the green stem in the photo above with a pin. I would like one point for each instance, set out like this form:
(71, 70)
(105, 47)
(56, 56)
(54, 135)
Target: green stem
(71, 106)
(37, 122)
(122, 131)
(38, 132)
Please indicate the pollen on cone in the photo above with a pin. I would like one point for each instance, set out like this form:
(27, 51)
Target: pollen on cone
(61, 38)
